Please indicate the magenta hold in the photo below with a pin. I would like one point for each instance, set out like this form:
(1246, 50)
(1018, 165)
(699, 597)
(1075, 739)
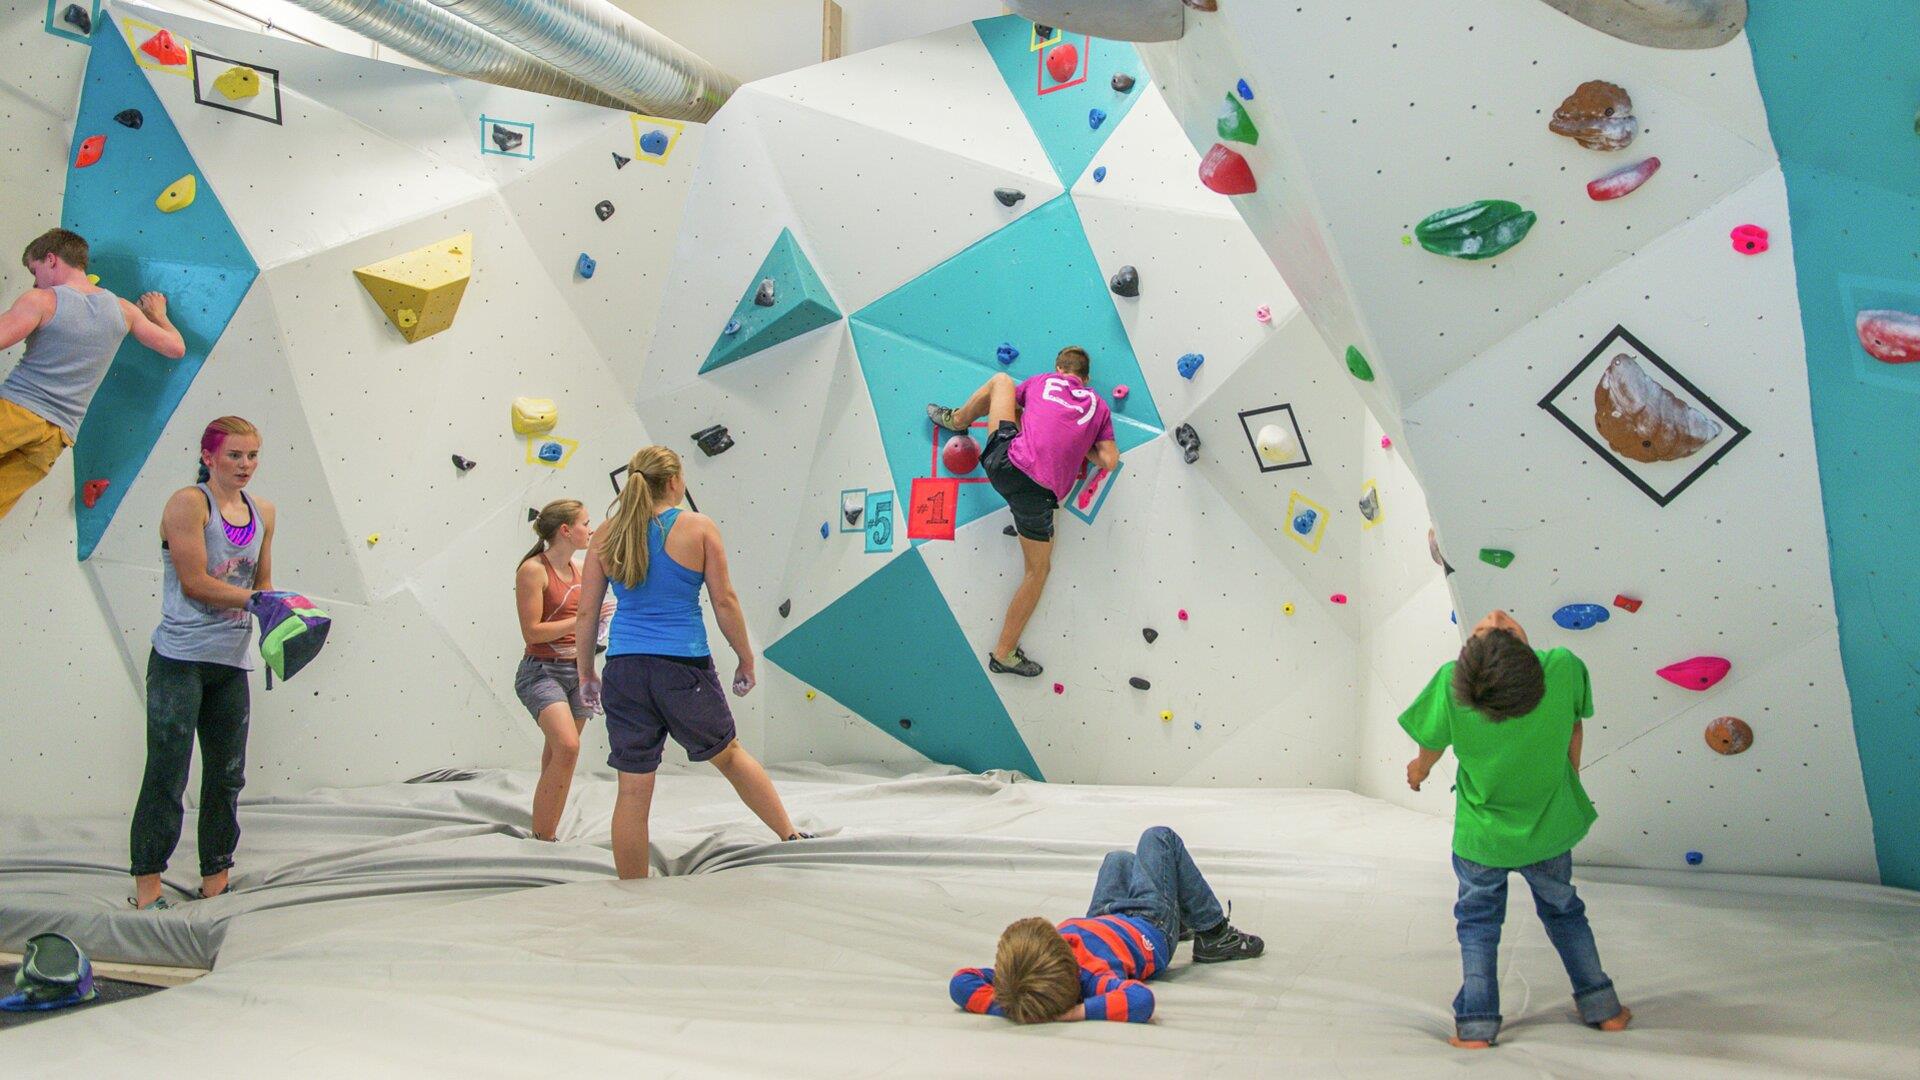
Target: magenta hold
(1749, 239)
(1698, 673)
(1120, 393)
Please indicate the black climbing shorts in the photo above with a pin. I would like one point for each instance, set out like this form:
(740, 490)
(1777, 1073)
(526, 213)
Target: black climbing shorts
(1031, 502)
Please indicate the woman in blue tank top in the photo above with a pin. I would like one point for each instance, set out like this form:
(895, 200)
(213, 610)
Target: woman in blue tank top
(216, 552)
(660, 678)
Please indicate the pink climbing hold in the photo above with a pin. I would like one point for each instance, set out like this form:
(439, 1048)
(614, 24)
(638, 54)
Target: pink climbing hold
(1225, 171)
(1338, 598)
(1749, 239)
(1183, 614)
(1059, 688)
(1120, 393)
(1699, 673)
(1386, 443)
(961, 455)
(1263, 314)
(1621, 182)
(1063, 61)
(1891, 337)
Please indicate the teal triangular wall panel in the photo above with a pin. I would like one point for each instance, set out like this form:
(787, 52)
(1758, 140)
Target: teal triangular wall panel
(801, 303)
(1057, 111)
(890, 650)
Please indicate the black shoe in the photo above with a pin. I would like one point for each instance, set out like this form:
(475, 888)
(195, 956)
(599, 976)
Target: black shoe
(1225, 943)
(943, 416)
(1017, 664)
(798, 835)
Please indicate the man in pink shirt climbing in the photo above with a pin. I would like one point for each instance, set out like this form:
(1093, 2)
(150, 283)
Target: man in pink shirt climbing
(1043, 430)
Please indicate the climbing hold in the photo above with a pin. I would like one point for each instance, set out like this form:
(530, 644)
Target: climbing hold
(1099, 173)
(763, 296)
(1749, 239)
(1120, 392)
(507, 138)
(1386, 442)
(786, 608)
(1729, 735)
(532, 514)
(653, 143)
(1338, 598)
(1263, 314)
(1149, 633)
(1006, 353)
(1622, 181)
(1139, 683)
(406, 318)
(1009, 531)
(603, 209)
(1661, 24)
(732, 327)
(1597, 115)
(1096, 117)
(372, 539)
(179, 194)
(90, 149)
(809, 695)
(1123, 83)
(823, 530)
(550, 452)
(238, 83)
(1892, 337)
(164, 50)
(1063, 61)
(1059, 688)
(1694, 858)
(1234, 124)
(534, 416)
(961, 455)
(1698, 673)
(1645, 421)
(1499, 557)
(713, 440)
(1043, 32)
(1370, 504)
(1188, 364)
(1008, 196)
(93, 279)
(620, 162)
(82, 20)
(130, 118)
(1305, 520)
(420, 291)
(1225, 171)
(1243, 89)
(1189, 441)
(1357, 364)
(1626, 603)
(1453, 617)
(464, 464)
(1125, 282)
(1286, 609)
(584, 265)
(1166, 716)
(91, 491)
(1581, 616)
(1478, 230)
(1203, 5)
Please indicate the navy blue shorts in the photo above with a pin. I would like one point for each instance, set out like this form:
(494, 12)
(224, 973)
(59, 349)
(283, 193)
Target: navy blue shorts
(648, 698)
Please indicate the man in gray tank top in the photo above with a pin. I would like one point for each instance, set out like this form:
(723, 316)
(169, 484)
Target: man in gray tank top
(72, 328)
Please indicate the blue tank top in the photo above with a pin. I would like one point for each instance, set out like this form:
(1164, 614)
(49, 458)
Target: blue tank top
(660, 617)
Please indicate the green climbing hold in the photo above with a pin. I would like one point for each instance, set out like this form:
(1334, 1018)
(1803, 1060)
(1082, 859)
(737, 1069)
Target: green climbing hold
(1478, 230)
(1496, 557)
(1357, 364)
(1235, 125)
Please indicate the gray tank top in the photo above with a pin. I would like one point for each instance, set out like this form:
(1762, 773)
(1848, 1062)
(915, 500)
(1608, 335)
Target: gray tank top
(66, 359)
(190, 630)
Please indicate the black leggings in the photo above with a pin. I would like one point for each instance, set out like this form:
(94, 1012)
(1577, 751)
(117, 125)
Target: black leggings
(185, 697)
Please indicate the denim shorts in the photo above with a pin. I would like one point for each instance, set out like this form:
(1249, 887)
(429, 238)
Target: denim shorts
(542, 683)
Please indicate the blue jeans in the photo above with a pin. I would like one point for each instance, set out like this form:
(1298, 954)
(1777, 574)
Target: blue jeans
(1158, 882)
(1480, 911)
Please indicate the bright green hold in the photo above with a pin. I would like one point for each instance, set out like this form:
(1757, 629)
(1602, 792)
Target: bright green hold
(1235, 125)
(1358, 365)
(1496, 557)
(1478, 230)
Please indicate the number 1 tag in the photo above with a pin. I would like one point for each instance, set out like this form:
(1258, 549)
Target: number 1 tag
(933, 508)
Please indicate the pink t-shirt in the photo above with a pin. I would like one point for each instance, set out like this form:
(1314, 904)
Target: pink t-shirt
(1060, 421)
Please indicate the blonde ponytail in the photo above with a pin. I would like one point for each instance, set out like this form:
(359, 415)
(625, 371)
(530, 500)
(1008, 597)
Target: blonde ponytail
(624, 550)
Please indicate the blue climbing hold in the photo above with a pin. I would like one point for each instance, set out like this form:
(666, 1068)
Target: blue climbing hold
(732, 327)
(1006, 353)
(1189, 364)
(1453, 617)
(1304, 520)
(1096, 117)
(1694, 858)
(654, 142)
(551, 451)
(1099, 174)
(823, 530)
(1581, 616)
(584, 265)
(1245, 91)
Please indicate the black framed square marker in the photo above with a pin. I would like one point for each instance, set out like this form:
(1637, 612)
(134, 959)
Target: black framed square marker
(1253, 441)
(220, 64)
(1571, 400)
(614, 479)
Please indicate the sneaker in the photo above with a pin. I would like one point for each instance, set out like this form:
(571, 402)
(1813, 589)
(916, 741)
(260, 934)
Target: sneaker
(943, 416)
(798, 835)
(1226, 943)
(158, 905)
(1017, 664)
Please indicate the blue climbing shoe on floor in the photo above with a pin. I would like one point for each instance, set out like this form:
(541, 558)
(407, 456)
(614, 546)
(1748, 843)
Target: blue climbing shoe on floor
(1017, 664)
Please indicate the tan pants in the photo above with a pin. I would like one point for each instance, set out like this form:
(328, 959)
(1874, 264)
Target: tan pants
(29, 445)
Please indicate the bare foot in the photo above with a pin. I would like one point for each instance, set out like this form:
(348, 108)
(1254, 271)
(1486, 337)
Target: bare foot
(1459, 1043)
(1619, 1022)
(214, 884)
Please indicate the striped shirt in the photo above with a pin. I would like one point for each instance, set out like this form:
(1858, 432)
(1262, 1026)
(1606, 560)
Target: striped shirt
(1117, 954)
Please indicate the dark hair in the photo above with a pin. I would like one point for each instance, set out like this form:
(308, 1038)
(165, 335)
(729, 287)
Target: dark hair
(71, 248)
(1074, 361)
(1499, 675)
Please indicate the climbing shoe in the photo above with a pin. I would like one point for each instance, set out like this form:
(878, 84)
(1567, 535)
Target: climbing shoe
(1224, 942)
(1017, 664)
(158, 905)
(798, 835)
(943, 416)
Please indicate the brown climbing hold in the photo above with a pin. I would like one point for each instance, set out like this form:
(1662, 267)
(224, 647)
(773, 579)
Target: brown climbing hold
(1597, 115)
(1645, 421)
(1729, 735)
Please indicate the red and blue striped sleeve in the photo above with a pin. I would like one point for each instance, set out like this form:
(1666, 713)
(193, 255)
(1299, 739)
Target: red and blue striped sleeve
(1110, 997)
(972, 990)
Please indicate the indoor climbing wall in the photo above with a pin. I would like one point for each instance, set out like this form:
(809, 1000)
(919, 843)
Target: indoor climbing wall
(1560, 267)
(892, 229)
(372, 263)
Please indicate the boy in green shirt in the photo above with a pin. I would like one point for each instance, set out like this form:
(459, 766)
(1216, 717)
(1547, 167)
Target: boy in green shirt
(1512, 716)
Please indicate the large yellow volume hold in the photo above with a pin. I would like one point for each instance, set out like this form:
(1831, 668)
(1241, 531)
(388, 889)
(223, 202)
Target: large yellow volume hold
(534, 416)
(179, 195)
(420, 291)
(236, 83)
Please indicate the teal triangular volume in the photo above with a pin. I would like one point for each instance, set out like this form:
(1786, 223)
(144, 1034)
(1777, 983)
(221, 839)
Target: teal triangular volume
(890, 650)
(1034, 284)
(193, 255)
(801, 303)
(1057, 112)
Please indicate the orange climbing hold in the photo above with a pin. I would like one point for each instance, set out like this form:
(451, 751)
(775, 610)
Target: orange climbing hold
(164, 49)
(91, 148)
(1225, 171)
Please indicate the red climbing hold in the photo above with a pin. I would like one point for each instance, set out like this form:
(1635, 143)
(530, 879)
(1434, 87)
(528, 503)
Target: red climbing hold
(1225, 171)
(1063, 61)
(1891, 337)
(1338, 598)
(1626, 603)
(961, 455)
(1183, 614)
(164, 49)
(90, 150)
(91, 491)
(1622, 181)
(1059, 688)
(1698, 673)
(1749, 239)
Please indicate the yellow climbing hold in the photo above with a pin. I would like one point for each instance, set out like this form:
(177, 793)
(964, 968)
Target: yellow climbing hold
(1286, 609)
(372, 539)
(1166, 716)
(427, 282)
(534, 415)
(809, 695)
(93, 279)
(179, 195)
(238, 82)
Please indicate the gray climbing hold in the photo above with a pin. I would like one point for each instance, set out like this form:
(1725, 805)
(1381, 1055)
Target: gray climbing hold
(786, 608)
(620, 162)
(1189, 441)
(603, 208)
(130, 118)
(1370, 505)
(1010, 531)
(532, 514)
(1122, 82)
(1126, 282)
(763, 297)
(1149, 633)
(464, 464)
(1661, 24)
(78, 17)
(713, 440)
(1008, 196)
(1139, 683)
(507, 139)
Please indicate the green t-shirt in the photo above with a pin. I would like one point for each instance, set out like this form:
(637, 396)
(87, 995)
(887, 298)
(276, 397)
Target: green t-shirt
(1520, 800)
